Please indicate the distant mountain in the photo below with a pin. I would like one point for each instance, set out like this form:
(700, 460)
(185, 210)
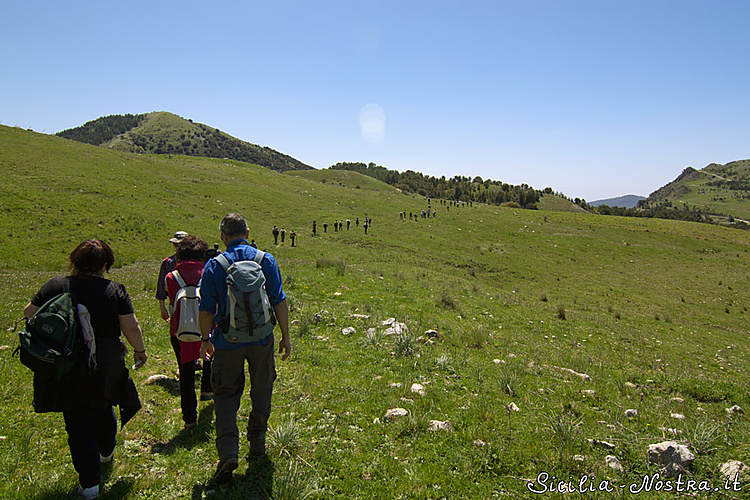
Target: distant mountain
(722, 191)
(166, 133)
(627, 201)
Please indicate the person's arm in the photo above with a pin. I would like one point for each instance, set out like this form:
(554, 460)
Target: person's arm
(206, 321)
(29, 310)
(132, 331)
(282, 316)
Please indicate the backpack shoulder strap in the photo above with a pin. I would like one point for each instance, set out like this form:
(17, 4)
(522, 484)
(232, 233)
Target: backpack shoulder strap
(180, 281)
(259, 256)
(223, 261)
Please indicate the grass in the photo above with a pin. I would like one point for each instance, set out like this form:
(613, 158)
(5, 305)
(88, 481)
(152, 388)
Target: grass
(475, 275)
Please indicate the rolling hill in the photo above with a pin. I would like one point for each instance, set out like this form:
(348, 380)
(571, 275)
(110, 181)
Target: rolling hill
(722, 191)
(166, 133)
(533, 341)
(627, 201)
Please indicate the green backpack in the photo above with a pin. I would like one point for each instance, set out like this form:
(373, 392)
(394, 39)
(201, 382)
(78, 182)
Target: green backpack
(51, 343)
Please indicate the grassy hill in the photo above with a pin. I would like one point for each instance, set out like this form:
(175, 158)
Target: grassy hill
(653, 311)
(722, 190)
(165, 133)
(345, 178)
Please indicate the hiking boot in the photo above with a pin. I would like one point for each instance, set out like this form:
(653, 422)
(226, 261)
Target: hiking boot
(88, 493)
(257, 444)
(224, 471)
(207, 396)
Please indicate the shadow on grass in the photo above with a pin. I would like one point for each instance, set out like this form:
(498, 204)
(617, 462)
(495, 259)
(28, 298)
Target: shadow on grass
(171, 385)
(255, 484)
(121, 488)
(189, 438)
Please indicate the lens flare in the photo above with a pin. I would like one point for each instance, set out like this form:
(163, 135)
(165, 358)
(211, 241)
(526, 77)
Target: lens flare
(372, 123)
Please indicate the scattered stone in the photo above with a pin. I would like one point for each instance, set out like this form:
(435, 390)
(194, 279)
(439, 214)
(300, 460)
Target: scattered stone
(376, 421)
(513, 407)
(630, 385)
(348, 330)
(437, 425)
(156, 378)
(678, 416)
(735, 409)
(359, 316)
(4, 347)
(389, 321)
(732, 470)
(395, 413)
(602, 444)
(294, 322)
(336, 294)
(674, 432)
(396, 328)
(433, 334)
(417, 389)
(397, 385)
(324, 317)
(497, 361)
(673, 457)
(579, 458)
(614, 463)
(568, 371)
(677, 400)
(631, 413)
(479, 442)
(588, 392)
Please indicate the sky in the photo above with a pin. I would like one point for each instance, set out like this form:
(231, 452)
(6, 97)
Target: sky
(593, 98)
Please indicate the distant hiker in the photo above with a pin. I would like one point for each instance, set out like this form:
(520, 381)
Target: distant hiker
(356, 223)
(325, 227)
(226, 347)
(315, 228)
(292, 235)
(335, 226)
(283, 234)
(348, 222)
(275, 232)
(191, 256)
(253, 244)
(86, 399)
(365, 226)
(167, 266)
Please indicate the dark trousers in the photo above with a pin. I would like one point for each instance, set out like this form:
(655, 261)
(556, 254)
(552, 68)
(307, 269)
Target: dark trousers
(90, 433)
(229, 384)
(188, 401)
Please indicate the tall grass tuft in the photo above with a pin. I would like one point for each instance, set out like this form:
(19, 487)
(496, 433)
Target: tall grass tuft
(404, 344)
(703, 436)
(294, 484)
(338, 264)
(566, 430)
(446, 301)
(286, 436)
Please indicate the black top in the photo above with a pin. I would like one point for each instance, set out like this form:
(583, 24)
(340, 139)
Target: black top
(110, 383)
(106, 300)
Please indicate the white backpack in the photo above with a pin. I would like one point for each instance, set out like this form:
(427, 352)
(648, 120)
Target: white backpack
(188, 297)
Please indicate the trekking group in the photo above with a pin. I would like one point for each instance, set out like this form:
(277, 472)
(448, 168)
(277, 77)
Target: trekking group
(222, 310)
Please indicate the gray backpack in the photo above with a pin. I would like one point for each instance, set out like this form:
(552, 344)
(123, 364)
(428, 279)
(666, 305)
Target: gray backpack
(248, 316)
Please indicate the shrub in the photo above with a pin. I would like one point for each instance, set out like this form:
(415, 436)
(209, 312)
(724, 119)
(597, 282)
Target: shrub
(561, 312)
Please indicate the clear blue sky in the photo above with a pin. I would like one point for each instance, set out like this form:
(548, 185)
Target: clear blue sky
(594, 98)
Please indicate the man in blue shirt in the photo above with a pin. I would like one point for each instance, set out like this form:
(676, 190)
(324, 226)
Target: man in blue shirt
(228, 367)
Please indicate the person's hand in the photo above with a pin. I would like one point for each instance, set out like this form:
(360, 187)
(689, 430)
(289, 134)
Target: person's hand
(164, 314)
(139, 359)
(207, 351)
(285, 347)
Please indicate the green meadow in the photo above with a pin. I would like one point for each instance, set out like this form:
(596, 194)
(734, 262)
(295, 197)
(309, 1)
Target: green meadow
(545, 327)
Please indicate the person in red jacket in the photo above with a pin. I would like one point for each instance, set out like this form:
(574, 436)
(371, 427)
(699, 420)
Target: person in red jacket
(191, 256)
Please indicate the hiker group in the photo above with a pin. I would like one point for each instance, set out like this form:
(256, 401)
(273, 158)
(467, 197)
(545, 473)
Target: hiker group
(338, 225)
(222, 309)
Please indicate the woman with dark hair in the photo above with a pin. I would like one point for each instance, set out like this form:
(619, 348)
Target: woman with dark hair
(86, 400)
(191, 256)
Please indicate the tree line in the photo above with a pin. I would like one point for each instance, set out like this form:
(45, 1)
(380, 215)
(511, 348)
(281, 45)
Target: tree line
(457, 188)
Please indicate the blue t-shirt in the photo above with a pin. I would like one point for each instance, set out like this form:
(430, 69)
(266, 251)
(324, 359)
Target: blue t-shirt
(214, 288)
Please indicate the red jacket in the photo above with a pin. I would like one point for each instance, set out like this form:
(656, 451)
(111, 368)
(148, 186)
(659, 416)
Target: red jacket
(191, 271)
